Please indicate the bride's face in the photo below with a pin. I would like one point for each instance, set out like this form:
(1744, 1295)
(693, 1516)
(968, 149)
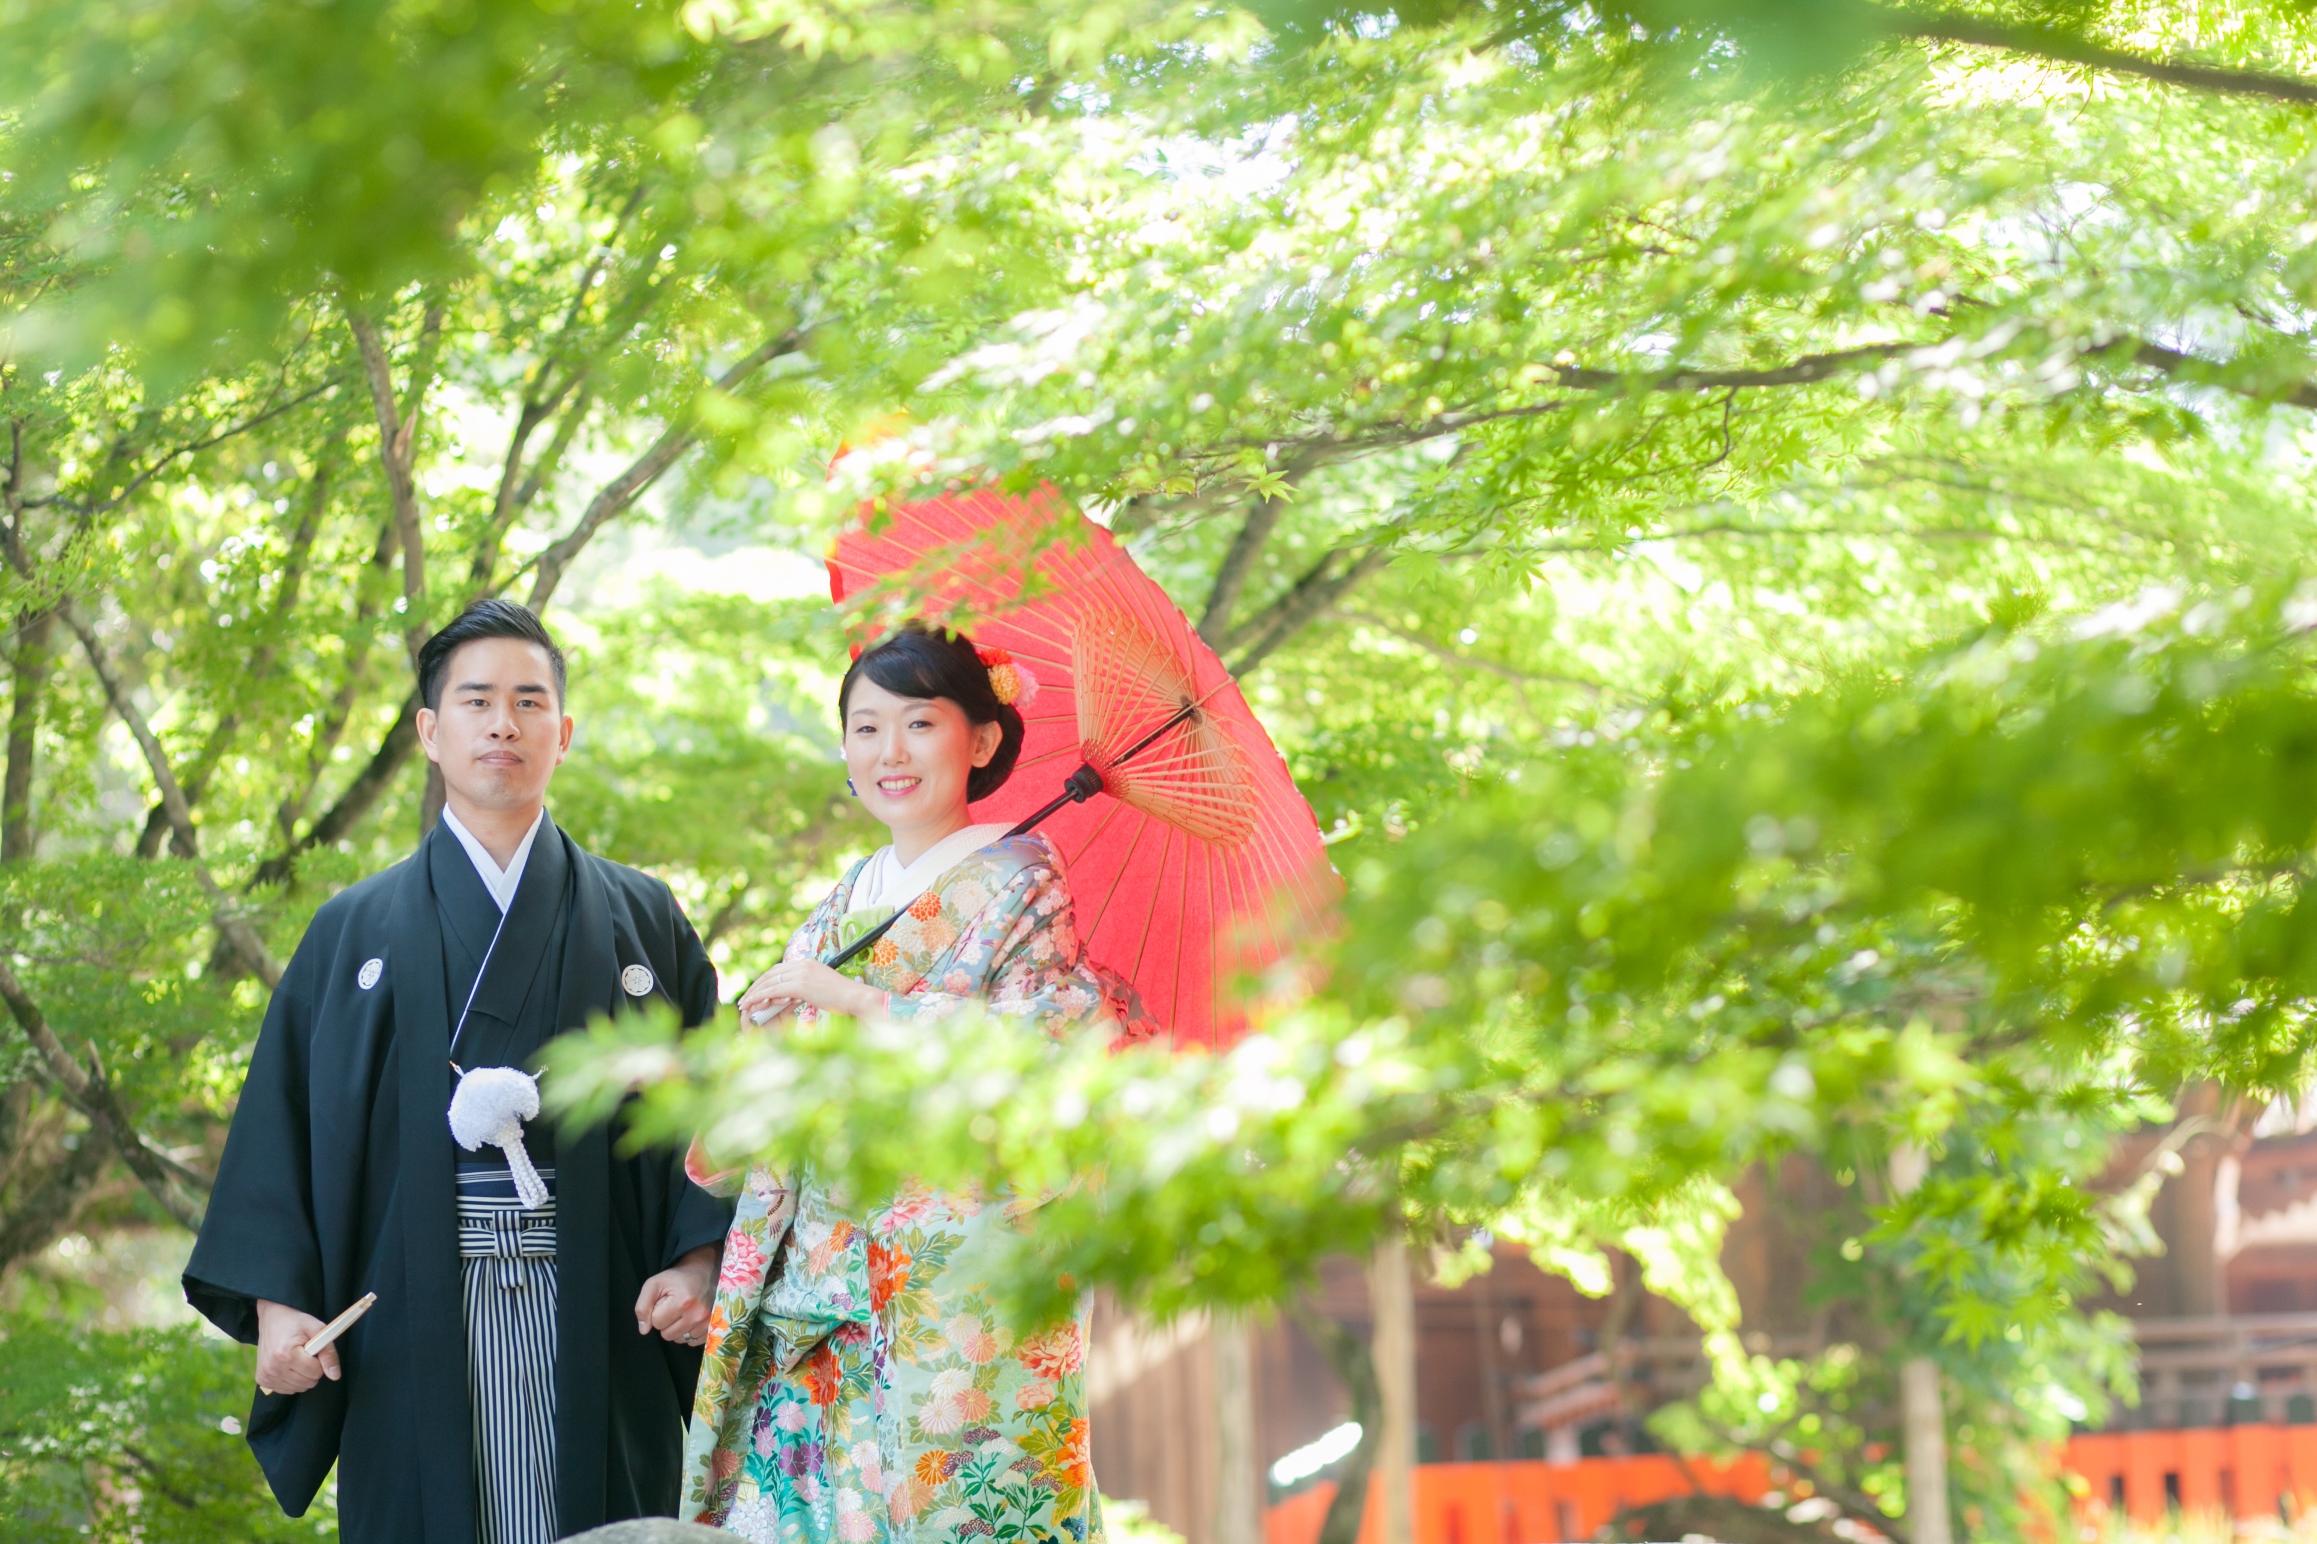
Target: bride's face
(909, 757)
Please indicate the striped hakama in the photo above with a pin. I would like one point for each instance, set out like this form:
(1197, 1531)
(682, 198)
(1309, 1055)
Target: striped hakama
(507, 1265)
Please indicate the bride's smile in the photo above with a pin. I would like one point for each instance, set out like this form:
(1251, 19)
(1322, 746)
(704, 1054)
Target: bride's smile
(910, 759)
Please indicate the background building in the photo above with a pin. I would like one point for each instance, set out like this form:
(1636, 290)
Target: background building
(1510, 1364)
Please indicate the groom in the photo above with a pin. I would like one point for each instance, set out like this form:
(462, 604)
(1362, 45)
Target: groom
(526, 1370)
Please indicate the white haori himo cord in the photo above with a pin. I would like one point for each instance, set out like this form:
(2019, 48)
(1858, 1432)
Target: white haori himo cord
(490, 1104)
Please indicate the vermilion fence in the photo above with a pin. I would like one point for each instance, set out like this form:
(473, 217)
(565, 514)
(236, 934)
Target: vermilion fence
(2245, 1471)
(1521, 1503)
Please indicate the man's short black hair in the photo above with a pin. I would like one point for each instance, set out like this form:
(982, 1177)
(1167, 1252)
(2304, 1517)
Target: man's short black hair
(483, 619)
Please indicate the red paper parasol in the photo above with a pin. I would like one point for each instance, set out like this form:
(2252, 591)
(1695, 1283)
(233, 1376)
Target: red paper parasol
(1199, 859)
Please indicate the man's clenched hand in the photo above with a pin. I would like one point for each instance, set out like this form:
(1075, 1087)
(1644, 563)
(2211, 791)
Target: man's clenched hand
(677, 1301)
(283, 1367)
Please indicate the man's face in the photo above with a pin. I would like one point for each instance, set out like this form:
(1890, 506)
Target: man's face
(500, 732)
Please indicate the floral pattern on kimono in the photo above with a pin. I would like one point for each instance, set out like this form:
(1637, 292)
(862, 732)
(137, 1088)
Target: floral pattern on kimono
(858, 1386)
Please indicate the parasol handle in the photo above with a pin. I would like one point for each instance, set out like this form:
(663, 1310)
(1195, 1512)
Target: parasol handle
(1080, 786)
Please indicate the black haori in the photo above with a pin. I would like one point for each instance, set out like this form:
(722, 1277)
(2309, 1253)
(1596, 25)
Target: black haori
(340, 1177)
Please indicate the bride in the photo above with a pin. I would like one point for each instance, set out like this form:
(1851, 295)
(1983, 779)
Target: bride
(858, 1385)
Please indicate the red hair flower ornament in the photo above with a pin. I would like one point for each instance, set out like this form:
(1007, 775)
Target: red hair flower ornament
(1010, 679)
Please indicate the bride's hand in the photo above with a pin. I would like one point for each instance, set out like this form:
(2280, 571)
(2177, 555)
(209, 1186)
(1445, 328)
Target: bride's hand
(760, 1004)
(763, 1004)
(810, 982)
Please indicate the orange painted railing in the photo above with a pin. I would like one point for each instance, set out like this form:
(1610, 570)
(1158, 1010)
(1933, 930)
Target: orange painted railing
(1520, 1503)
(2245, 1471)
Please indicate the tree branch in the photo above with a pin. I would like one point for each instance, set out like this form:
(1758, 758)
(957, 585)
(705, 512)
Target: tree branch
(422, 369)
(1308, 454)
(35, 1217)
(93, 1096)
(1266, 618)
(514, 497)
(195, 447)
(548, 570)
(1313, 594)
(727, 913)
(29, 672)
(2049, 43)
(15, 1108)
(261, 660)
(157, 1477)
(398, 452)
(370, 590)
(1449, 656)
(622, 491)
(230, 925)
(542, 395)
(2066, 48)
(374, 779)
(566, 430)
(1238, 562)
(117, 693)
(1312, 452)
(2190, 367)
(1804, 371)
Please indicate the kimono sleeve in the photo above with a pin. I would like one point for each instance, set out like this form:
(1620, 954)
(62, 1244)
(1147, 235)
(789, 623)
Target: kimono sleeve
(258, 1238)
(695, 990)
(703, 1167)
(822, 1283)
(1032, 966)
(733, 1364)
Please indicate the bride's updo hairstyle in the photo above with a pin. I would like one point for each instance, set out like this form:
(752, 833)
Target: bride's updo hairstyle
(916, 661)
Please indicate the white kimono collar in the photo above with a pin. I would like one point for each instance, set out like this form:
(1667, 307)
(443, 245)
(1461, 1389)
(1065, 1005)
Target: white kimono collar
(502, 883)
(884, 882)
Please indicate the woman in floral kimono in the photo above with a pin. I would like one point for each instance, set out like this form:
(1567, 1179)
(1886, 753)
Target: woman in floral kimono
(858, 1385)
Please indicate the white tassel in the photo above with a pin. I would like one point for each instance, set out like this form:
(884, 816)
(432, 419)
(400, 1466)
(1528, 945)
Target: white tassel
(490, 1105)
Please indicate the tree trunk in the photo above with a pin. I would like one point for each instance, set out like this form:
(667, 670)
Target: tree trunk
(2199, 1253)
(430, 803)
(1926, 1435)
(29, 683)
(1922, 1420)
(1238, 1493)
(38, 1213)
(1355, 1366)
(1624, 1302)
(1484, 1337)
(15, 1131)
(1394, 1295)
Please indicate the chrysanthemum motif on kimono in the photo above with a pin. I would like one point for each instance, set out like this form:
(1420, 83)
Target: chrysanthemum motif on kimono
(859, 1386)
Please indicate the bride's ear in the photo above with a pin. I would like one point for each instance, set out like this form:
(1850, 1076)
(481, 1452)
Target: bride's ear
(986, 738)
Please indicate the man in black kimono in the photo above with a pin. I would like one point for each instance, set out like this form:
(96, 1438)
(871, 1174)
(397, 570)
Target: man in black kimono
(527, 1368)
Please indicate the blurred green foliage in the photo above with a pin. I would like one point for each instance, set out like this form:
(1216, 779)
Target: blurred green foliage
(1990, 911)
(117, 1437)
(1652, 466)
